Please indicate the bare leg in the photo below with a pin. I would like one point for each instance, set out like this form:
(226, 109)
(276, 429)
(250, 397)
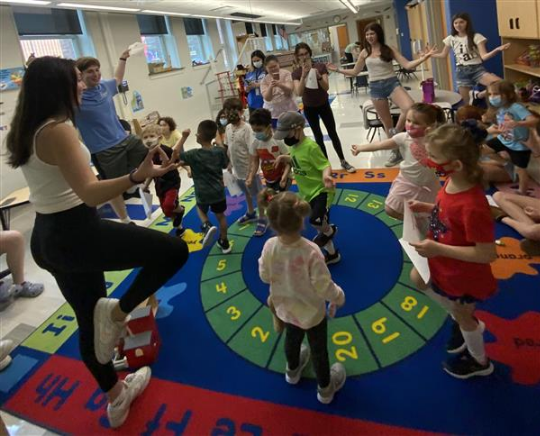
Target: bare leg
(514, 205)
(203, 216)
(404, 101)
(383, 110)
(119, 206)
(465, 96)
(12, 243)
(526, 230)
(249, 201)
(523, 180)
(222, 225)
(495, 173)
(394, 214)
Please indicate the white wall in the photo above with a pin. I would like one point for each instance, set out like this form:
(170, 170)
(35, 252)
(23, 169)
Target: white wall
(112, 33)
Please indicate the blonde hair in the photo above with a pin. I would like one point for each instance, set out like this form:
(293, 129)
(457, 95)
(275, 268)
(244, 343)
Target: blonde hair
(151, 129)
(457, 143)
(285, 211)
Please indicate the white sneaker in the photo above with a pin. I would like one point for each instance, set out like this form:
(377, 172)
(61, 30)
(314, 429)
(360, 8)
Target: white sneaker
(6, 347)
(338, 376)
(106, 331)
(293, 377)
(134, 384)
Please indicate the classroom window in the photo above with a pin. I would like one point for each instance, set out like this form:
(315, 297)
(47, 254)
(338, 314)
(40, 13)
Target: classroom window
(267, 37)
(159, 46)
(200, 47)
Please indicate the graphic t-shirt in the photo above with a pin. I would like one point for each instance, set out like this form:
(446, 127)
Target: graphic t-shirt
(316, 96)
(513, 138)
(239, 139)
(96, 118)
(268, 151)
(465, 55)
(412, 166)
(308, 163)
(463, 220)
(207, 165)
(167, 181)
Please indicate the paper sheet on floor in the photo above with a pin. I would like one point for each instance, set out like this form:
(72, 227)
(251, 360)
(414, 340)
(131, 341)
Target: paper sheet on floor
(411, 233)
(146, 200)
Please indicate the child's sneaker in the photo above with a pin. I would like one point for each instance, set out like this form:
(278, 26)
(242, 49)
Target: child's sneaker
(331, 259)
(107, 332)
(134, 385)
(224, 245)
(338, 375)
(27, 290)
(464, 366)
(456, 343)
(262, 226)
(347, 167)
(6, 346)
(394, 159)
(321, 239)
(209, 231)
(247, 218)
(293, 377)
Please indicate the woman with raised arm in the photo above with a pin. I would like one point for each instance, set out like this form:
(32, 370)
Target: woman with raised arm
(70, 240)
(383, 83)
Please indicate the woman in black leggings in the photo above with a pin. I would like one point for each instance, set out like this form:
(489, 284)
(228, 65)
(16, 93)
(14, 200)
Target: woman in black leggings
(311, 83)
(70, 240)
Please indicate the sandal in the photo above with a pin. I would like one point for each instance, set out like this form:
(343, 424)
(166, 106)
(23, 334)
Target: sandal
(27, 290)
(261, 228)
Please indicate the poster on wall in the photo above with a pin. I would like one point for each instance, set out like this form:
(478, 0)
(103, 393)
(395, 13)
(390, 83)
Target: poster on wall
(11, 78)
(137, 102)
(187, 92)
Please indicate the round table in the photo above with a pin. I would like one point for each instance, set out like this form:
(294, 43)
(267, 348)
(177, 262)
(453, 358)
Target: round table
(441, 96)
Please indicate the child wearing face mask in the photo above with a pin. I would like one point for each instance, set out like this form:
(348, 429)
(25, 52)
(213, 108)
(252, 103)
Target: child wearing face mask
(512, 128)
(221, 121)
(459, 247)
(264, 151)
(168, 185)
(415, 181)
(239, 138)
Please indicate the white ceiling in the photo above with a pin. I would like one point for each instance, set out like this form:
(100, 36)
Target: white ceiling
(273, 10)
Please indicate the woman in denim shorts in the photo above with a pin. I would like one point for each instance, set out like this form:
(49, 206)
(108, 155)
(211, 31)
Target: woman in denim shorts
(383, 83)
(470, 51)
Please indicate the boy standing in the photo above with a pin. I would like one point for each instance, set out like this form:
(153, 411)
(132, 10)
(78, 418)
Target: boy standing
(207, 164)
(313, 176)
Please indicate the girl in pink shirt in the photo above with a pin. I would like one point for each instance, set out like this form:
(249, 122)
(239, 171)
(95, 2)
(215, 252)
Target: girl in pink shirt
(300, 285)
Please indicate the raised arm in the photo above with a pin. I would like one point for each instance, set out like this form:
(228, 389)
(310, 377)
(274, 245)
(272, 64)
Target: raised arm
(411, 65)
(59, 145)
(179, 146)
(443, 54)
(121, 67)
(387, 144)
(485, 55)
(358, 67)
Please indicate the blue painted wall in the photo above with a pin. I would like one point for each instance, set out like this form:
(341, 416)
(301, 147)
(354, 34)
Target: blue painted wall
(403, 25)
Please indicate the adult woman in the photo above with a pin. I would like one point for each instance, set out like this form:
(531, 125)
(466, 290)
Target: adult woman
(253, 81)
(277, 89)
(383, 83)
(311, 83)
(69, 239)
(470, 52)
(169, 132)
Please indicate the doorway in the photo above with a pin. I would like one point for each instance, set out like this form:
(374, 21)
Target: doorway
(361, 25)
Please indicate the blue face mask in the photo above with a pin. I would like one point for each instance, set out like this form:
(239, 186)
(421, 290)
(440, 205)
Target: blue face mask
(223, 121)
(495, 101)
(261, 136)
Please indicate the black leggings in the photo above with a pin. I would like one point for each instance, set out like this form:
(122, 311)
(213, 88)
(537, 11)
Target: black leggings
(325, 113)
(76, 247)
(317, 338)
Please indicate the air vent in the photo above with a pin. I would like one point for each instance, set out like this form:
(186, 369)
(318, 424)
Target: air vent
(242, 15)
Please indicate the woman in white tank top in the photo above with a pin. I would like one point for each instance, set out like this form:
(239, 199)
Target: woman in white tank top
(70, 240)
(383, 83)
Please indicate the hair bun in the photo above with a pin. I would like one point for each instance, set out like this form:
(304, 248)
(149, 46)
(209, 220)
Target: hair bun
(478, 133)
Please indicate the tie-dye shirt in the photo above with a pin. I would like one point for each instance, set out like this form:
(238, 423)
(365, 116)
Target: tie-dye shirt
(300, 282)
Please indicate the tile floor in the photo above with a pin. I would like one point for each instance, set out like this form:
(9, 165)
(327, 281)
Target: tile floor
(17, 321)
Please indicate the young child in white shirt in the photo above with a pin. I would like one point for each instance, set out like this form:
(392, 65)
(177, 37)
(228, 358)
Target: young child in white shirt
(300, 286)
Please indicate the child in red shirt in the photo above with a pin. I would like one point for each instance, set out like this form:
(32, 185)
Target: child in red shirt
(460, 246)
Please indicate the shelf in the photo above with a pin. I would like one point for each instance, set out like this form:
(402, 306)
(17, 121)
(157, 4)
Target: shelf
(524, 69)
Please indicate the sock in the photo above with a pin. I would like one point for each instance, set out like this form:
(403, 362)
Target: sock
(330, 248)
(125, 220)
(475, 344)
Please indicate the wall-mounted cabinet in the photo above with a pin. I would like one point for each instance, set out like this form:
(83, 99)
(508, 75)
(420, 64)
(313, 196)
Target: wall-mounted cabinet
(518, 19)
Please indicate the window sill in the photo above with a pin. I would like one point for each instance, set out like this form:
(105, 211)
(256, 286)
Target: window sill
(200, 67)
(171, 72)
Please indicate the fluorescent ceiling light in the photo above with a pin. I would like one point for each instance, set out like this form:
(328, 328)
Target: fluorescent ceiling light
(349, 4)
(106, 8)
(286, 23)
(147, 11)
(27, 2)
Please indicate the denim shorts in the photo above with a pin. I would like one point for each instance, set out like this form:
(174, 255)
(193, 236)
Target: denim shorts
(469, 75)
(381, 89)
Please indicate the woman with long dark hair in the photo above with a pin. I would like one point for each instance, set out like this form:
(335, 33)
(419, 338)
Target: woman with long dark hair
(383, 83)
(70, 240)
(253, 81)
(470, 52)
(311, 83)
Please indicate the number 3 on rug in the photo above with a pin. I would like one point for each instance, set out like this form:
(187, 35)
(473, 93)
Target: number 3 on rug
(234, 312)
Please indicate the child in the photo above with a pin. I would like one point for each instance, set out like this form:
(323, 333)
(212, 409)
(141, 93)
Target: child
(300, 285)
(207, 164)
(221, 121)
(168, 185)
(512, 129)
(313, 176)
(263, 151)
(460, 247)
(239, 138)
(415, 181)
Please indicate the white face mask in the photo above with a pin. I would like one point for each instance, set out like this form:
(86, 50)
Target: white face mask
(151, 142)
(257, 64)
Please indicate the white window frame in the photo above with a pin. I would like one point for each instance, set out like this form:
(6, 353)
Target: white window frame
(73, 38)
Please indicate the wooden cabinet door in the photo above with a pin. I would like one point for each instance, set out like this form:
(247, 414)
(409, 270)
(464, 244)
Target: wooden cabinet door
(518, 19)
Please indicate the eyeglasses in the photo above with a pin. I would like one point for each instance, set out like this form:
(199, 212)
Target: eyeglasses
(303, 54)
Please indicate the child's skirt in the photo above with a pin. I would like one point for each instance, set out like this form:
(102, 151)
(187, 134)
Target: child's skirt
(403, 190)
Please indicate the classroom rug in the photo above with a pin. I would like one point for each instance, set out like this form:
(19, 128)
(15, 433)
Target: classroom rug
(221, 366)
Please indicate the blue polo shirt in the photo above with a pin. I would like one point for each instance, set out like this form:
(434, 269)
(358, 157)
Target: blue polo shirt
(97, 120)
